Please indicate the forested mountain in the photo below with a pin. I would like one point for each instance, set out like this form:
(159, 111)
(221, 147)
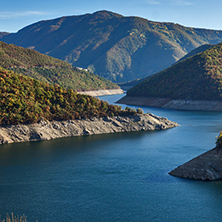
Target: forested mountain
(26, 100)
(48, 69)
(113, 46)
(197, 50)
(130, 84)
(196, 78)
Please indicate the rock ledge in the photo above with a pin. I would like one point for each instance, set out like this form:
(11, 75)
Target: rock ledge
(167, 103)
(207, 166)
(46, 130)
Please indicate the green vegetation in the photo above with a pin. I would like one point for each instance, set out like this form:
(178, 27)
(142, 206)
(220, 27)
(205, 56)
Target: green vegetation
(196, 78)
(113, 46)
(26, 100)
(48, 69)
(219, 140)
(197, 50)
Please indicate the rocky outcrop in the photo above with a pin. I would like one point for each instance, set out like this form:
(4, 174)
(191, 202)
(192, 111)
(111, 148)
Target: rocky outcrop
(207, 166)
(204, 105)
(46, 130)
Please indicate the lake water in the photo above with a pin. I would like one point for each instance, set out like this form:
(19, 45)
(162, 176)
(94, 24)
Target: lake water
(113, 177)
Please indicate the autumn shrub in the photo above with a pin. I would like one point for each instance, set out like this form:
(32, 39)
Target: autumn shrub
(25, 100)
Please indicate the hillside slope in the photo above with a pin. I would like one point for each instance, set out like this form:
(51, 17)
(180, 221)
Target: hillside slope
(197, 50)
(3, 34)
(48, 69)
(130, 84)
(196, 78)
(26, 100)
(113, 46)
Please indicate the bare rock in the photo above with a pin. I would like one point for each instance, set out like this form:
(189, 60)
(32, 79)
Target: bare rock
(207, 166)
(46, 130)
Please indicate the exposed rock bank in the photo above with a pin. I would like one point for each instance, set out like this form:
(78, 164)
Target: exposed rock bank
(167, 103)
(207, 166)
(45, 130)
(102, 92)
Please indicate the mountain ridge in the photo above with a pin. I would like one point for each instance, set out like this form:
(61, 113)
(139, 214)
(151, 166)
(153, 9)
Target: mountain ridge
(119, 48)
(48, 69)
(196, 78)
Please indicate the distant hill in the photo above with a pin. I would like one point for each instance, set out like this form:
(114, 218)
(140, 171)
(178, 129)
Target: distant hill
(130, 84)
(26, 100)
(50, 70)
(3, 34)
(196, 78)
(113, 46)
(197, 50)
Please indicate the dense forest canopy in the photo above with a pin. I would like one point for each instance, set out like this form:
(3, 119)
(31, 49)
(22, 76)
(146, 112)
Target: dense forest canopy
(196, 78)
(26, 100)
(48, 69)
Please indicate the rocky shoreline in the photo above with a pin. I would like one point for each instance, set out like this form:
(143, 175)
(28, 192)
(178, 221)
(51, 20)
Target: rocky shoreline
(103, 92)
(47, 130)
(207, 166)
(198, 105)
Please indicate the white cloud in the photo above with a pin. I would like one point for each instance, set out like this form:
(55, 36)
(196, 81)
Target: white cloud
(7, 15)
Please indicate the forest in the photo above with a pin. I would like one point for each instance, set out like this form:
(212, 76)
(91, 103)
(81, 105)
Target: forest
(45, 68)
(196, 78)
(26, 100)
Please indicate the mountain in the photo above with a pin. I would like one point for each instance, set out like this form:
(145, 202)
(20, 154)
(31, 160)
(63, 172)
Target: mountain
(116, 47)
(196, 78)
(197, 50)
(26, 100)
(50, 70)
(3, 34)
(130, 84)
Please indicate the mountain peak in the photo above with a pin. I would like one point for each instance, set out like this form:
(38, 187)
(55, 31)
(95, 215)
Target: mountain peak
(105, 13)
(119, 48)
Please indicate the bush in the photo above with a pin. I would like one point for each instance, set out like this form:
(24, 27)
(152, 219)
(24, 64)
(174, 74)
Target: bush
(219, 140)
(139, 111)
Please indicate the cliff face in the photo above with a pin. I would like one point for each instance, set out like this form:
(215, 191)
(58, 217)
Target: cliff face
(45, 130)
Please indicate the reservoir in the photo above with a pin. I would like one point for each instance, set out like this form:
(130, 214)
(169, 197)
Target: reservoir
(113, 177)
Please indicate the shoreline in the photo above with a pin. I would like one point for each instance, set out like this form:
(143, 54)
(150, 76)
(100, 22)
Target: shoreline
(46, 130)
(191, 105)
(102, 92)
(207, 167)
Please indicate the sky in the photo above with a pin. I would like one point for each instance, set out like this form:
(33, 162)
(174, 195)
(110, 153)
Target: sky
(14, 14)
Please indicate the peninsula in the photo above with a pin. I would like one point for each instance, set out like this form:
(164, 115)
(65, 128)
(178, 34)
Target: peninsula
(46, 130)
(192, 84)
(32, 110)
(207, 166)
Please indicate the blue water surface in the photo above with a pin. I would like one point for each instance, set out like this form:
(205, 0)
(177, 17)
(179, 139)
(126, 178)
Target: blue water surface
(113, 177)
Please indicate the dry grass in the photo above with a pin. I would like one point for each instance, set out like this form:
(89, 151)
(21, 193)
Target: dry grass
(13, 218)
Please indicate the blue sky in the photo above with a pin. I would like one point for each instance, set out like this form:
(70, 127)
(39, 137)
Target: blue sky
(15, 14)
